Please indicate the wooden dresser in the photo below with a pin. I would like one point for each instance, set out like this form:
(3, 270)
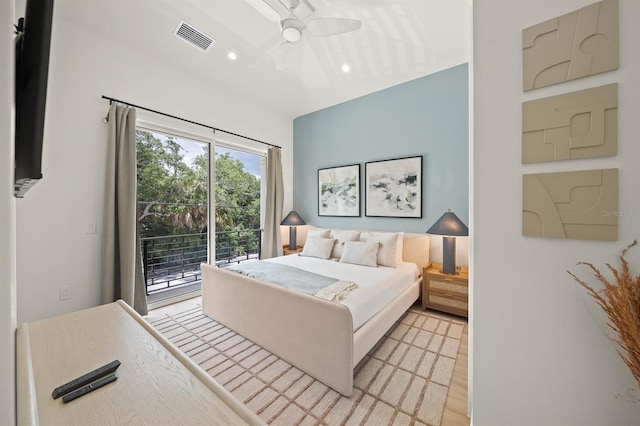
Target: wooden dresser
(445, 292)
(157, 384)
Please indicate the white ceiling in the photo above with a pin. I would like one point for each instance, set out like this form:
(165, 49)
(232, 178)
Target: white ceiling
(400, 40)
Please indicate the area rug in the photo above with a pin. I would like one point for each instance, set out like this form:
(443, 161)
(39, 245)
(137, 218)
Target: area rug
(403, 380)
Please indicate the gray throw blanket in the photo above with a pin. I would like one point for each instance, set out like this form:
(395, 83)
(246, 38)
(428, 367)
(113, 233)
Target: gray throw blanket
(295, 279)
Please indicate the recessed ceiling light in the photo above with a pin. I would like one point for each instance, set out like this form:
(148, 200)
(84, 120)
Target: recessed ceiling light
(232, 56)
(346, 68)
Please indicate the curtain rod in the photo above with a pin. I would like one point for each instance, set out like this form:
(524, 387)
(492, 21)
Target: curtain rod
(215, 129)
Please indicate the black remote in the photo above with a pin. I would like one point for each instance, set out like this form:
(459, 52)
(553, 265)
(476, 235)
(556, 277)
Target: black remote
(85, 379)
(89, 388)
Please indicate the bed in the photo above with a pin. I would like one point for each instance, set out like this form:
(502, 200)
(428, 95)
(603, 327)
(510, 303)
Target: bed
(318, 336)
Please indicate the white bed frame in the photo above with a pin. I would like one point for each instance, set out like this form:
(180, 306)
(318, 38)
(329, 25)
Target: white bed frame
(313, 334)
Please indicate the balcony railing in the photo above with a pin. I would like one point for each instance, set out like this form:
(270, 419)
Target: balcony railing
(173, 261)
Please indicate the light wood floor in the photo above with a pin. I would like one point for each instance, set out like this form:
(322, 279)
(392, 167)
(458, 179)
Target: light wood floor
(455, 409)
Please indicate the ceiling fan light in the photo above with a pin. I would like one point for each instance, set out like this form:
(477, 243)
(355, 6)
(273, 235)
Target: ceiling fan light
(291, 34)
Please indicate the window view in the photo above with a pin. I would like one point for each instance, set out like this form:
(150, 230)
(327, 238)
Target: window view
(237, 196)
(173, 182)
(173, 210)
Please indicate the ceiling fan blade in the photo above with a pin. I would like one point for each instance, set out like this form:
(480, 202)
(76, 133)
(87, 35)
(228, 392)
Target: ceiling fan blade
(281, 54)
(271, 10)
(322, 27)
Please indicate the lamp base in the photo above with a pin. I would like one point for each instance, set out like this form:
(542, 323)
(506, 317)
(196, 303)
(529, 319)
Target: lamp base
(292, 238)
(449, 255)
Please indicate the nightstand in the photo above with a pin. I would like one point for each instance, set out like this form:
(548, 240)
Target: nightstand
(445, 292)
(286, 250)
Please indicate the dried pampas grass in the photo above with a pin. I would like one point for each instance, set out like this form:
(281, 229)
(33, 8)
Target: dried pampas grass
(620, 300)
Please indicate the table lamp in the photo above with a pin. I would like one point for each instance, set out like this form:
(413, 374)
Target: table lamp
(292, 220)
(450, 227)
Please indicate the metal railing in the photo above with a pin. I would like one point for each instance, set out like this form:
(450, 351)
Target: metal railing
(173, 261)
(238, 246)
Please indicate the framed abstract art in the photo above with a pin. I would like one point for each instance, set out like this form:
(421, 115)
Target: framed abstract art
(393, 188)
(339, 191)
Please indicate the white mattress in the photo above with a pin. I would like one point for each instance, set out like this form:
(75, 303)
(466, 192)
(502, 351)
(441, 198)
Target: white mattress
(376, 286)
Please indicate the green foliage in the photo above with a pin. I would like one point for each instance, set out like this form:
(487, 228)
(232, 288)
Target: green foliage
(237, 196)
(172, 196)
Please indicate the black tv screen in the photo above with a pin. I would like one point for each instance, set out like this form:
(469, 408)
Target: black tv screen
(32, 45)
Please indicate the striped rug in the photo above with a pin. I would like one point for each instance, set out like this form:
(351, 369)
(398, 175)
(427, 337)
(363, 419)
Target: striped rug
(402, 381)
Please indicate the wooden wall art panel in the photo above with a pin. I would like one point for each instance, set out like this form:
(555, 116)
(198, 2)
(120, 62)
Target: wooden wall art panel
(575, 45)
(576, 205)
(574, 125)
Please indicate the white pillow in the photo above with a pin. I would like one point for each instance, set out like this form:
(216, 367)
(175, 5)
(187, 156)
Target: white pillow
(360, 253)
(390, 245)
(322, 233)
(317, 247)
(400, 248)
(341, 236)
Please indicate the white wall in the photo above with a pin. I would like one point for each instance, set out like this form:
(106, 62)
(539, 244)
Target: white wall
(7, 221)
(53, 248)
(540, 356)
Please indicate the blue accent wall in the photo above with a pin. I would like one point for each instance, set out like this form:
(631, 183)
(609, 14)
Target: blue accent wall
(428, 116)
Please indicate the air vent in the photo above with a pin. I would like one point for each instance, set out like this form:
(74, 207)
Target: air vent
(188, 33)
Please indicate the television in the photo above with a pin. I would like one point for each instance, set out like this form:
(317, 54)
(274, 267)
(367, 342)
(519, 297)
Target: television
(32, 45)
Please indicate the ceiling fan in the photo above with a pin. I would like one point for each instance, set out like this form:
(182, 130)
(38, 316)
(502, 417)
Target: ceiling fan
(291, 15)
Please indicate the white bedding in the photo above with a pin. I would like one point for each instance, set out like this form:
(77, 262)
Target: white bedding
(376, 286)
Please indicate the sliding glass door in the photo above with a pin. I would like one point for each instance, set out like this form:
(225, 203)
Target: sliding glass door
(238, 208)
(176, 202)
(173, 212)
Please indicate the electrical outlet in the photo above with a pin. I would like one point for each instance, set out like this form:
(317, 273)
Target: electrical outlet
(65, 293)
(92, 227)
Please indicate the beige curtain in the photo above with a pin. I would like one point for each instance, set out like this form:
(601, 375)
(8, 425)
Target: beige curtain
(123, 277)
(272, 240)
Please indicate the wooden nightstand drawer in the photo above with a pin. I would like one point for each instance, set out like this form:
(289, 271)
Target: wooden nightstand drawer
(448, 285)
(449, 300)
(443, 292)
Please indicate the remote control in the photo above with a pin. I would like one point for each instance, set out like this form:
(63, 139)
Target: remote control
(85, 379)
(89, 388)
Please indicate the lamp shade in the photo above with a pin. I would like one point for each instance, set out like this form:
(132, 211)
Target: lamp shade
(450, 225)
(293, 219)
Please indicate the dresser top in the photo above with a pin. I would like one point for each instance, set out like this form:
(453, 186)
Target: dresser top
(154, 386)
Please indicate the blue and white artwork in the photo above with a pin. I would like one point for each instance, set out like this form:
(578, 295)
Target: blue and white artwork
(394, 188)
(339, 191)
